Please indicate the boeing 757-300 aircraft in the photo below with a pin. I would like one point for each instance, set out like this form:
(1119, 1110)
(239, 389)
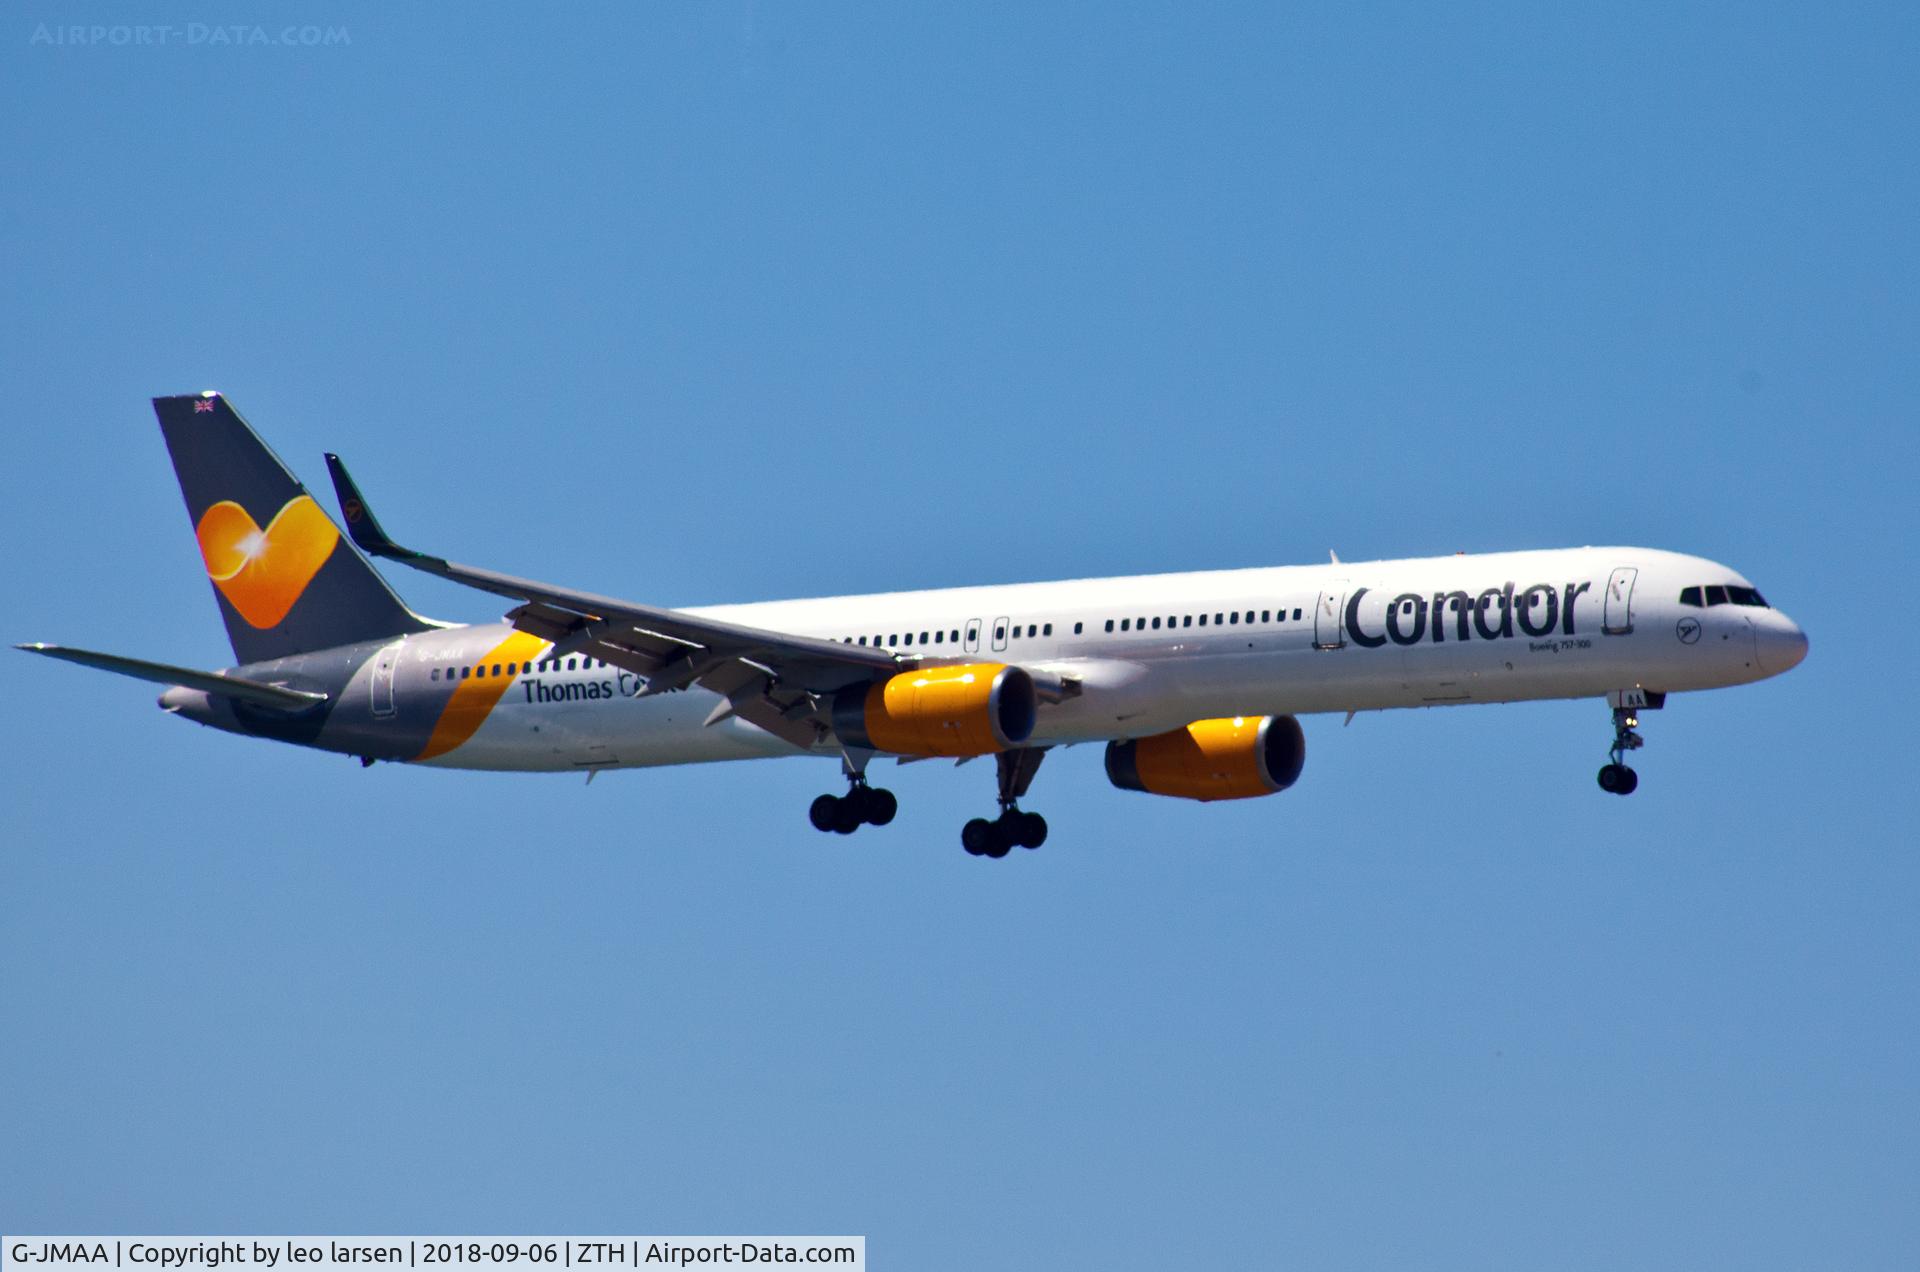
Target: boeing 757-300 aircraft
(1192, 681)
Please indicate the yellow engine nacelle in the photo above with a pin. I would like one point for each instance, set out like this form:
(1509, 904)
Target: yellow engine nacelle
(1212, 759)
(970, 709)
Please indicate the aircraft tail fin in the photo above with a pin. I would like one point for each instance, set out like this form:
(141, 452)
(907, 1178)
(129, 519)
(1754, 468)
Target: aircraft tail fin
(285, 581)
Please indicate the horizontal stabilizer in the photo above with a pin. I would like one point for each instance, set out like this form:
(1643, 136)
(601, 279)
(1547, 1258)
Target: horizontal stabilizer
(260, 694)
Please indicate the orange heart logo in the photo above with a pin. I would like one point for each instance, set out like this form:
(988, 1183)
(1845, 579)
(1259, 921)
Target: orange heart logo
(263, 572)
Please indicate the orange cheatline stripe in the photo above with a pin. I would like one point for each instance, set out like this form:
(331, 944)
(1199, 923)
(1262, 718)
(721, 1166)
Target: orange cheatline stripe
(474, 699)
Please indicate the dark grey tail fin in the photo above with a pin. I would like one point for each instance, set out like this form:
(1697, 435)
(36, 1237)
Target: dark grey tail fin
(286, 581)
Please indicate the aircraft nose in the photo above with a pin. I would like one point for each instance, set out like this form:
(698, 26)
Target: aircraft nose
(1781, 645)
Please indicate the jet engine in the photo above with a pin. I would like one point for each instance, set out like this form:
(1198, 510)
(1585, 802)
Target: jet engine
(1212, 759)
(968, 709)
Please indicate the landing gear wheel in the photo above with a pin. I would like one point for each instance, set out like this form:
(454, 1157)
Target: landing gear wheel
(847, 815)
(999, 842)
(824, 812)
(1029, 829)
(977, 836)
(1618, 779)
(879, 806)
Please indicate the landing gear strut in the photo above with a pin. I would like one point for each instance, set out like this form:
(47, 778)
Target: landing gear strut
(1012, 828)
(862, 805)
(1615, 777)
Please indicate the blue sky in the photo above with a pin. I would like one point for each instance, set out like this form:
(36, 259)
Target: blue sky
(713, 302)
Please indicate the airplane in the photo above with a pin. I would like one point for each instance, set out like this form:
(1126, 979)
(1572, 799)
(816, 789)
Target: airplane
(1193, 682)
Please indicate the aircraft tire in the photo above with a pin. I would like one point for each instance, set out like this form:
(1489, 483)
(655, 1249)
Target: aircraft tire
(1030, 830)
(880, 806)
(823, 812)
(977, 836)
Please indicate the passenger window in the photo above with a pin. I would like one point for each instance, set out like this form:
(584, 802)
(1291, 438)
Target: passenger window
(1234, 617)
(999, 633)
(1156, 623)
(955, 637)
(1047, 630)
(1126, 624)
(1187, 621)
(1109, 624)
(1716, 595)
(1203, 620)
(1296, 614)
(1265, 616)
(1219, 619)
(923, 638)
(863, 640)
(1076, 629)
(434, 674)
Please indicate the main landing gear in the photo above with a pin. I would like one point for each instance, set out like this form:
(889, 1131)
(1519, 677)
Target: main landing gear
(862, 805)
(1615, 777)
(1012, 828)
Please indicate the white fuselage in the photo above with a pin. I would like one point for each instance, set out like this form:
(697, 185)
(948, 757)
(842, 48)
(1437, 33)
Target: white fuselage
(1155, 652)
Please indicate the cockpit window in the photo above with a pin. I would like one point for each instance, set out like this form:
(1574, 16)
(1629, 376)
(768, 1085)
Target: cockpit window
(1716, 594)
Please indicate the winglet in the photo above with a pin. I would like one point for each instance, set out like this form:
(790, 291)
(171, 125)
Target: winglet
(361, 523)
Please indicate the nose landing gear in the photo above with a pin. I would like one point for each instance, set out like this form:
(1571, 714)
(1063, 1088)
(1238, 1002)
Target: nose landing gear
(1012, 828)
(1615, 777)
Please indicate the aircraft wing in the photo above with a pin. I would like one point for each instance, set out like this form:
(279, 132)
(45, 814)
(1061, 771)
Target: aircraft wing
(776, 680)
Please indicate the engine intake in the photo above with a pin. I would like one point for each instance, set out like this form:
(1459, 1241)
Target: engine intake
(957, 711)
(1212, 759)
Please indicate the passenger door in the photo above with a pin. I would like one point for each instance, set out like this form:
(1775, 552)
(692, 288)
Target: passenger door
(1327, 628)
(384, 664)
(1617, 619)
(999, 635)
(973, 636)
